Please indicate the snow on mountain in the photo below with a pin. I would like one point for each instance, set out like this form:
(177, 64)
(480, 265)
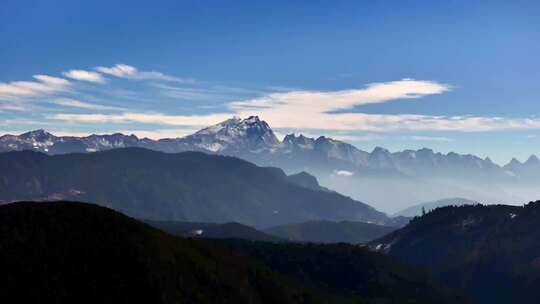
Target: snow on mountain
(254, 140)
(234, 135)
(34, 140)
(291, 141)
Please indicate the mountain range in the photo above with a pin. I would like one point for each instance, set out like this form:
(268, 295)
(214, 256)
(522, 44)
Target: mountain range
(187, 186)
(412, 175)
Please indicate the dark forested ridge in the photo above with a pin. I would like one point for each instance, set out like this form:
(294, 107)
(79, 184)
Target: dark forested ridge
(493, 252)
(79, 253)
(213, 230)
(189, 186)
(330, 232)
(67, 252)
(350, 271)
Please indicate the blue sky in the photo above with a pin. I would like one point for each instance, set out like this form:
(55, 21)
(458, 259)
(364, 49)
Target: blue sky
(453, 76)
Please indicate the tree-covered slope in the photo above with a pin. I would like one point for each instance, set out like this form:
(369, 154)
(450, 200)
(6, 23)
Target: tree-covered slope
(493, 252)
(330, 232)
(67, 252)
(189, 186)
(350, 271)
(213, 230)
(79, 253)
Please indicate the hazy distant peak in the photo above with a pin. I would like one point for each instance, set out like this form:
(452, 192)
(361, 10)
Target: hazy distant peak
(514, 162)
(380, 150)
(532, 160)
(416, 210)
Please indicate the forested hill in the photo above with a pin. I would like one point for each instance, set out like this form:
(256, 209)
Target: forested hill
(68, 252)
(493, 252)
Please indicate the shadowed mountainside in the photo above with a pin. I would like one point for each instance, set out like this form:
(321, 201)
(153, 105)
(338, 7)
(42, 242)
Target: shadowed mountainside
(493, 252)
(67, 252)
(189, 186)
(213, 231)
(330, 232)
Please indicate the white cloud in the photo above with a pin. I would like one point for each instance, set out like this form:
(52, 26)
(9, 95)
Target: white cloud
(323, 102)
(11, 107)
(344, 173)
(312, 110)
(161, 133)
(293, 110)
(131, 72)
(149, 118)
(69, 102)
(316, 109)
(24, 89)
(83, 75)
(52, 81)
(119, 70)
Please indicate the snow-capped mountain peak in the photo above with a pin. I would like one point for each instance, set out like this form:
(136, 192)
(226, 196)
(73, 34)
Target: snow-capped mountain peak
(37, 135)
(224, 125)
(39, 140)
(253, 139)
(251, 133)
(300, 141)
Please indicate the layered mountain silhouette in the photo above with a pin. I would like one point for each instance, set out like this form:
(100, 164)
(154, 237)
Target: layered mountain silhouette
(188, 186)
(213, 231)
(493, 252)
(66, 252)
(411, 176)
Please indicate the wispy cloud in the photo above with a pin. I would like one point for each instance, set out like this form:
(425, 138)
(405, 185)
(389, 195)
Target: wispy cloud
(131, 72)
(161, 133)
(11, 107)
(83, 75)
(317, 110)
(24, 89)
(189, 93)
(329, 101)
(148, 118)
(20, 95)
(119, 70)
(334, 112)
